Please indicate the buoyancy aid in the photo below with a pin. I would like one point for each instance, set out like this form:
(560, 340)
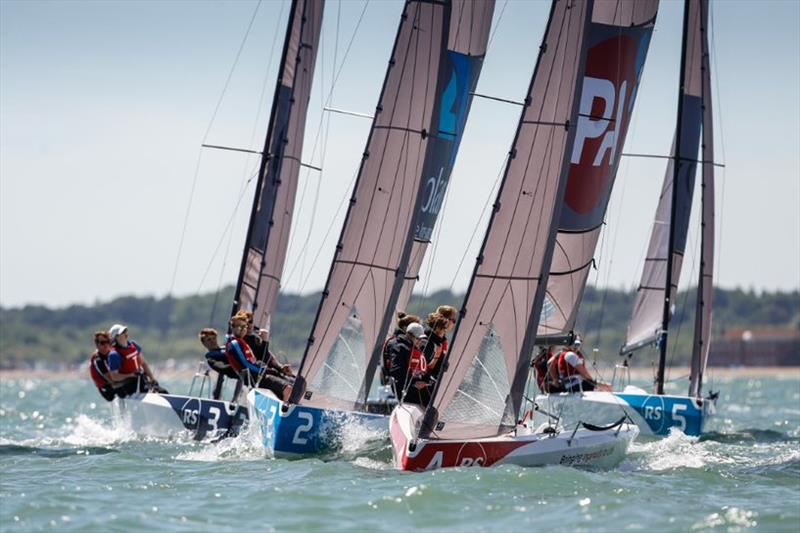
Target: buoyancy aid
(98, 367)
(417, 364)
(568, 374)
(234, 345)
(131, 357)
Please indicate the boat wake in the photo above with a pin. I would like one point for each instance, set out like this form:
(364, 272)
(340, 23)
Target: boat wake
(246, 446)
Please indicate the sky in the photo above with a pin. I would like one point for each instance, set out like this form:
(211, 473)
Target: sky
(105, 190)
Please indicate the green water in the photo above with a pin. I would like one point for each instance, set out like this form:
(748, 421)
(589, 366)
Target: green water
(66, 465)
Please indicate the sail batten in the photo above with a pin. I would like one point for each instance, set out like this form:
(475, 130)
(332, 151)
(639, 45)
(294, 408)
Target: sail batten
(481, 393)
(273, 205)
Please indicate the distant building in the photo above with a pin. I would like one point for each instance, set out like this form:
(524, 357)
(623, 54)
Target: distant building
(764, 346)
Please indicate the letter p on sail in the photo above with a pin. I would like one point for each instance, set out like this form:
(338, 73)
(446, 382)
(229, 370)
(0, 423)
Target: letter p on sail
(590, 127)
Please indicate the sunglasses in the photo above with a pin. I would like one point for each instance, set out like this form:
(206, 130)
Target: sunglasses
(101, 343)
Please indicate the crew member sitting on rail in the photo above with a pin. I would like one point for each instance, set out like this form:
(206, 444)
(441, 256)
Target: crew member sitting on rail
(254, 373)
(409, 367)
(572, 372)
(98, 366)
(258, 340)
(216, 359)
(128, 367)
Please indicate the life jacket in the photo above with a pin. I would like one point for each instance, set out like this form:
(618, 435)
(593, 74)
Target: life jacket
(98, 366)
(417, 365)
(131, 356)
(233, 359)
(566, 372)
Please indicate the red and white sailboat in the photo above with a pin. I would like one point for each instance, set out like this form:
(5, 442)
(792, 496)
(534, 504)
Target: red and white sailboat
(473, 418)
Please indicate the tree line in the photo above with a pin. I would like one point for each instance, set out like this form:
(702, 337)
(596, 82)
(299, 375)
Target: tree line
(38, 336)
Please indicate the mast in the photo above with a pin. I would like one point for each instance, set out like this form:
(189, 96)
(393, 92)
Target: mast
(705, 282)
(667, 314)
(264, 253)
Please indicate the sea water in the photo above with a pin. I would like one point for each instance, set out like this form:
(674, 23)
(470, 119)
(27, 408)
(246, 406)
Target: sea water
(68, 464)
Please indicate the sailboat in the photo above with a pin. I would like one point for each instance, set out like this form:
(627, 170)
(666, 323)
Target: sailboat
(410, 152)
(590, 57)
(163, 415)
(658, 413)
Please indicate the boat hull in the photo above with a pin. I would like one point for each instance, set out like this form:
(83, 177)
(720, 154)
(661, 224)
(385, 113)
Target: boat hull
(293, 431)
(171, 415)
(597, 449)
(655, 415)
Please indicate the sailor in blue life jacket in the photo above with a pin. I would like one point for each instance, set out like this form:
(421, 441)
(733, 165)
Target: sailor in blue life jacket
(572, 373)
(216, 359)
(254, 373)
(128, 367)
(98, 366)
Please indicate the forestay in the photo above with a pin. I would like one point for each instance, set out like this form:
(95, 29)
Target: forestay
(271, 217)
(481, 393)
(655, 298)
(702, 328)
(615, 58)
(374, 249)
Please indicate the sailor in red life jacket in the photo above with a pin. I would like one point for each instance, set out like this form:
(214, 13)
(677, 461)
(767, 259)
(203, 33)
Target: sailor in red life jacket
(127, 365)
(98, 366)
(240, 357)
(417, 383)
(572, 371)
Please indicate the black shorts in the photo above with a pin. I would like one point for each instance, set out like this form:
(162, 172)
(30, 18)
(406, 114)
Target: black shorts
(107, 392)
(585, 386)
(274, 383)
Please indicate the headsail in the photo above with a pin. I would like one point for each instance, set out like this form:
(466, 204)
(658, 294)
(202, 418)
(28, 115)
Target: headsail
(702, 325)
(655, 302)
(271, 217)
(481, 393)
(614, 63)
(374, 249)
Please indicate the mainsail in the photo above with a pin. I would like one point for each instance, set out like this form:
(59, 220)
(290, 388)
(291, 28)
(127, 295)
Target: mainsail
(481, 393)
(374, 250)
(614, 62)
(656, 295)
(271, 216)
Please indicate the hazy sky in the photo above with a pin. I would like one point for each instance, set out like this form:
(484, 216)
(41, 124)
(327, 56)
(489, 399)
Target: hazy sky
(104, 105)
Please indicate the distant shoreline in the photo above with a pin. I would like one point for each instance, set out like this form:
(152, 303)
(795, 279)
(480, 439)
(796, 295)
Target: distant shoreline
(792, 372)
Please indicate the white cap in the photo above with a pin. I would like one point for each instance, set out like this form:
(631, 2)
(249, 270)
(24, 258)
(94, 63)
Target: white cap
(416, 330)
(577, 341)
(117, 330)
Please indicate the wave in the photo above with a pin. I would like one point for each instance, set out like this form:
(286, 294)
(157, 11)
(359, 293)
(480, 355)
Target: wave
(22, 449)
(749, 435)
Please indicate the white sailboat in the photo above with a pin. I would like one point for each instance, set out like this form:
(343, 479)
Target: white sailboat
(571, 128)
(202, 415)
(658, 413)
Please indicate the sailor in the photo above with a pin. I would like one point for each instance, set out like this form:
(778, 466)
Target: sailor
(127, 365)
(572, 372)
(258, 340)
(98, 365)
(409, 366)
(255, 373)
(436, 329)
(403, 321)
(216, 359)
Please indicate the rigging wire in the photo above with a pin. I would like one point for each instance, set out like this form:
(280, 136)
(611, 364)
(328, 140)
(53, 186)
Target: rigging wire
(205, 136)
(305, 244)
